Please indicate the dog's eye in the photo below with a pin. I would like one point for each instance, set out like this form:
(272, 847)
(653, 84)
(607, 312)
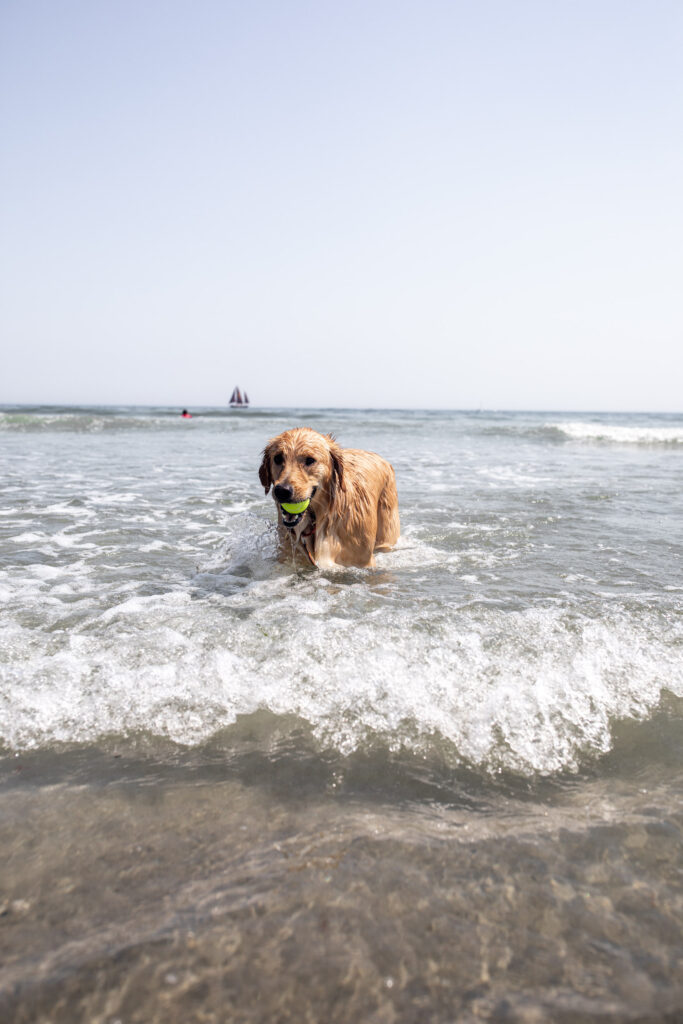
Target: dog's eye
(278, 459)
(309, 460)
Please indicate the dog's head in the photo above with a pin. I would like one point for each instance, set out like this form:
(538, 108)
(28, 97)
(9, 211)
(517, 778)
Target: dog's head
(302, 465)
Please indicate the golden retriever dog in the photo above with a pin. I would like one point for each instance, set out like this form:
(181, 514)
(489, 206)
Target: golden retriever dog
(353, 506)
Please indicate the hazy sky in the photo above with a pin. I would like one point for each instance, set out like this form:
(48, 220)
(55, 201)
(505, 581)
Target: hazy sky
(437, 204)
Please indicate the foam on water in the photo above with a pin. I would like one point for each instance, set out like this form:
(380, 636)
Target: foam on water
(533, 600)
(618, 434)
(347, 651)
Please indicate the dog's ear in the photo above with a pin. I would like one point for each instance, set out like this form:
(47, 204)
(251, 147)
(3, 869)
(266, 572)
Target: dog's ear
(337, 478)
(264, 470)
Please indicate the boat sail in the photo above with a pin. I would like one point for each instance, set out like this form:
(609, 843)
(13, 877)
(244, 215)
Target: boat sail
(237, 401)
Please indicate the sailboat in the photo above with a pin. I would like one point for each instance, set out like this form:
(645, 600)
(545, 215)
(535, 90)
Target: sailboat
(237, 401)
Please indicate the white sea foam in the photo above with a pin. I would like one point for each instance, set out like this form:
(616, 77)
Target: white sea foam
(141, 593)
(513, 476)
(529, 690)
(27, 538)
(617, 434)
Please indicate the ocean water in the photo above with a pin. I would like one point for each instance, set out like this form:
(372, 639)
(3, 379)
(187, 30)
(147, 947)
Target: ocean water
(446, 789)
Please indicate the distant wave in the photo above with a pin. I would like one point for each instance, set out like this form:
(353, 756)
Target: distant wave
(92, 421)
(614, 434)
(534, 427)
(77, 422)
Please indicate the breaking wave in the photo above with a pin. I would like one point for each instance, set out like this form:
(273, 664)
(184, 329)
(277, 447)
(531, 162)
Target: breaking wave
(618, 434)
(535, 690)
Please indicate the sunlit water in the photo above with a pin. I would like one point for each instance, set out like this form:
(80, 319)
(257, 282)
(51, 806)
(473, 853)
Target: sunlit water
(473, 715)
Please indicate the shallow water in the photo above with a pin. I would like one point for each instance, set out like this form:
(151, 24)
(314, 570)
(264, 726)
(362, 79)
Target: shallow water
(446, 789)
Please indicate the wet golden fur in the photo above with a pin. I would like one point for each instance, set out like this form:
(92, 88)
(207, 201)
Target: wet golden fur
(353, 496)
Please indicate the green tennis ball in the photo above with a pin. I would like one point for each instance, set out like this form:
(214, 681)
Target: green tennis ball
(294, 509)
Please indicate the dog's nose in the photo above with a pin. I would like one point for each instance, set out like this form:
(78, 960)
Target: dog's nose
(282, 493)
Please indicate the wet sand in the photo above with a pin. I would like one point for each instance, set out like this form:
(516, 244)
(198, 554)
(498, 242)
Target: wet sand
(267, 886)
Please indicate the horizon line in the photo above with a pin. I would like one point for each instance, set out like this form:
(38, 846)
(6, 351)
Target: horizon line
(340, 408)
